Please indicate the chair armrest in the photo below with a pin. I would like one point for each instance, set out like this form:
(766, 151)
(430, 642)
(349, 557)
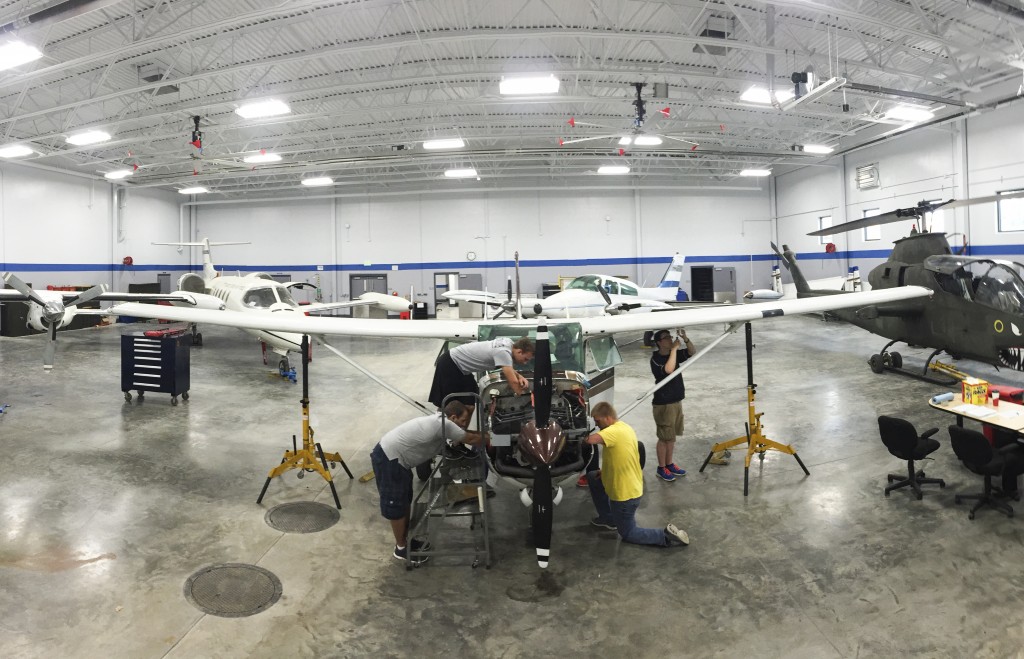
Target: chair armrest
(929, 433)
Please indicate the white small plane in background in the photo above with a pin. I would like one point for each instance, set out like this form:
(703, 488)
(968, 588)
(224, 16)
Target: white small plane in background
(587, 296)
(779, 291)
(258, 292)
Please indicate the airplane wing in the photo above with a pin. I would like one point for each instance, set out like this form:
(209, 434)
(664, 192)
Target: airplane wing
(11, 295)
(481, 297)
(468, 329)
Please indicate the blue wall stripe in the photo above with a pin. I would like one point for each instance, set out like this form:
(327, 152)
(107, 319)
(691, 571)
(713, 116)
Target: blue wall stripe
(973, 250)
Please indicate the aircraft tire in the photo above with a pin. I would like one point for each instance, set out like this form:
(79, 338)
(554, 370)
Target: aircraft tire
(897, 360)
(643, 454)
(875, 362)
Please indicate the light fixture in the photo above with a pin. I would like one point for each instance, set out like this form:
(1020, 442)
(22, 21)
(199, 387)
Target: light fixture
(259, 158)
(318, 181)
(613, 169)
(647, 140)
(817, 148)
(760, 95)
(118, 174)
(15, 151)
(626, 141)
(460, 173)
(16, 53)
(196, 190)
(447, 143)
(88, 137)
(756, 172)
(528, 85)
(815, 94)
(260, 109)
(909, 113)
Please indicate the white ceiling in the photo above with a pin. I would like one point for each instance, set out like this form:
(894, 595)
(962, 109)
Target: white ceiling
(369, 80)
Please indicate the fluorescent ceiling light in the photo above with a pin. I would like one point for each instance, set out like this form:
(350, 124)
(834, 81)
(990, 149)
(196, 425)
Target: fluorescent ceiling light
(613, 169)
(626, 141)
(196, 190)
(448, 143)
(118, 174)
(647, 140)
(760, 95)
(260, 109)
(17, 53)
(460, 173)
(88, 137)
(815, 94)
(318, 181)
(817, 148)
(909, 113)
(526, 86)
(261, 158)
(756, 172)
(15, 151)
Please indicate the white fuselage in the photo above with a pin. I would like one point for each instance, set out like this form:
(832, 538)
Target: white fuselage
(578, 303)
(257, 294)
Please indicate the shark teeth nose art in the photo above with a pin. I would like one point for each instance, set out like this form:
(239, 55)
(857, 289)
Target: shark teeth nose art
(1012, 358)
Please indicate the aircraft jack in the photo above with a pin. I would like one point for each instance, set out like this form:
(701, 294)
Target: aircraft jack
(306, 458)
(754, 439)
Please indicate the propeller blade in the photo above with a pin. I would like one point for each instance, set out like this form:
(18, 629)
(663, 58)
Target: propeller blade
(23, 288)
(87, 296)
(604, 294)
(541, 514)
(508, 289)
(542, 386)
(51, 348)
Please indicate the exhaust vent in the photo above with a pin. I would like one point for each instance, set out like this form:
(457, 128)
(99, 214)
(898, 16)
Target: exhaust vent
(718, 27)
(867, 177)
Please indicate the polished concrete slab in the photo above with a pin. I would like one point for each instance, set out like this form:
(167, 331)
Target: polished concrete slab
(107, 507)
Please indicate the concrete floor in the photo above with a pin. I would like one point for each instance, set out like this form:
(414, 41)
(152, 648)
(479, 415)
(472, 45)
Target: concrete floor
(107, 508)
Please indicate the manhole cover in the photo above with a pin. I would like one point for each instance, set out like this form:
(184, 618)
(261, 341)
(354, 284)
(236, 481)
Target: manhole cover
(302, 517)
(232, 590)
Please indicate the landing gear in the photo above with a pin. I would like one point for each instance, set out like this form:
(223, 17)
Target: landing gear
(283, 366)
(893, 361)
(885, 359)
(197, 337)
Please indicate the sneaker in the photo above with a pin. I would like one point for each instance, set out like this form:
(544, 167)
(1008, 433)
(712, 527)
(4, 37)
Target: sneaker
(602, 524)
(582, 482)
(719, 458)
(665, 475)
(675, 534)
(401, 552)
(676, 470)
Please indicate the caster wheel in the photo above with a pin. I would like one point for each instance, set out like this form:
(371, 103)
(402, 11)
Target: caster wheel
(891, 479)
(760, 456)
(174, 400)
(897, 359)
(184, 396)
(141, 396)
(888, 493)
(886, 359)
(334, 465)
(875, 362)
(301, 474)
(970, 515)
(127, 397)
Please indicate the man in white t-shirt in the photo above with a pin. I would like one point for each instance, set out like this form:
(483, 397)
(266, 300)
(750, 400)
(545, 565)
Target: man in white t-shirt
(399, 451)
(455, 368)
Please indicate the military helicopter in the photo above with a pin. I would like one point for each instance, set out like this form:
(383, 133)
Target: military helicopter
(976, 310)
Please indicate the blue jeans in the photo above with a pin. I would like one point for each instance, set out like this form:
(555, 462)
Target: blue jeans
(623, 515)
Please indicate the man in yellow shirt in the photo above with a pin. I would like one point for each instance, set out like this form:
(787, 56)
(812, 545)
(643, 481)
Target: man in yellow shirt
(617, 488)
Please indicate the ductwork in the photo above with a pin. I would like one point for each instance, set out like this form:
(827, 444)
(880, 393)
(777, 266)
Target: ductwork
(55, 13)
(1002, 8)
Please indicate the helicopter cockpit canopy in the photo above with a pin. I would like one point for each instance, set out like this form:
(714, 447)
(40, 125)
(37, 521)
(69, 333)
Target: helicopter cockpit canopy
(994, 283)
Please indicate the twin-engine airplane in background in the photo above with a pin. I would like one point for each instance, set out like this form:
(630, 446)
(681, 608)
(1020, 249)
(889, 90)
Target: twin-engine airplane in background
(536, 442)
(975, 311)
(587, 295)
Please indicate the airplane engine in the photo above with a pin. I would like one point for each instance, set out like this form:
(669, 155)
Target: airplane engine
(191, 283)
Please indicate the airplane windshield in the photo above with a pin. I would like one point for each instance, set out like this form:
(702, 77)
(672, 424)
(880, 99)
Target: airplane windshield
(259, 298)
(285, 295)
(566, 343)
(996, 284)
(586, 283)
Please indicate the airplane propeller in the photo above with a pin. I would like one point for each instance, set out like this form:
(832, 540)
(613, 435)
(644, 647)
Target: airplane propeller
(613, 308)
(914, 212)
(53, 310)
(509, 305)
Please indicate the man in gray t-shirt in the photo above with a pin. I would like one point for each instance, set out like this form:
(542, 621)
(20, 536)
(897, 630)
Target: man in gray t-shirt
(455, 368)
(400, 450)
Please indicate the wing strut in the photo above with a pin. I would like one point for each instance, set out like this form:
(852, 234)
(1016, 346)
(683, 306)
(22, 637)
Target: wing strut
(420, 407)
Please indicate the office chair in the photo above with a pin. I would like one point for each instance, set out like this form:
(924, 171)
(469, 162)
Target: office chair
(902, 440)
(978, 456)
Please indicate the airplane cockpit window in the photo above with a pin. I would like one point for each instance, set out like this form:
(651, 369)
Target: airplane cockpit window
(259, 298)
(586, 283)
(627, 290)
(612, 287)
(285, 296)
(996, 284)
(566, 342)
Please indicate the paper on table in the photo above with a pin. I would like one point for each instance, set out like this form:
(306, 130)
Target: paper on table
(976, 411)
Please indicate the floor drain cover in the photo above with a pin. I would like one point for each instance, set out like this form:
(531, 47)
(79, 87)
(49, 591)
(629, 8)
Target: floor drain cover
(302, 517)
(232, 590)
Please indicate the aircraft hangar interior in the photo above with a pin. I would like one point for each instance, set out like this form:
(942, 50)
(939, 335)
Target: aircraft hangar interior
(823, 202)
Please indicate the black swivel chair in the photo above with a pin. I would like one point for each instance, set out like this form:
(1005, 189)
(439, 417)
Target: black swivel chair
(902, 440)
(977, 454)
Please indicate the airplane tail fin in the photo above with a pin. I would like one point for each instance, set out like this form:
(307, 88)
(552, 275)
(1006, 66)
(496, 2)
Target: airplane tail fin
(788, 259)
(209, 272)
(674, 274)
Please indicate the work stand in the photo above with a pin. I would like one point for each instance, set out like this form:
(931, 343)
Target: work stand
(311, 457)
(754, 438)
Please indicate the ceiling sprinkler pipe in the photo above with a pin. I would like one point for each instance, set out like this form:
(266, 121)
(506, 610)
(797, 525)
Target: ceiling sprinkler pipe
(58, 11)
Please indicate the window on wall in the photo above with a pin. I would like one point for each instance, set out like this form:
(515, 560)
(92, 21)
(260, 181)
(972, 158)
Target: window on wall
(824, 222)
(875, 232)
(1010, 212)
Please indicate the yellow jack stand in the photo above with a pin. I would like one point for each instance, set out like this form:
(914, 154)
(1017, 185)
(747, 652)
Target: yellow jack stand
(754, 439)
(305, 459)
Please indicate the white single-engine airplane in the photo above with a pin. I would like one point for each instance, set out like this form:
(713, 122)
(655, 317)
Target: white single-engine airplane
(259, 293)
(588, 295)
(535, 441)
